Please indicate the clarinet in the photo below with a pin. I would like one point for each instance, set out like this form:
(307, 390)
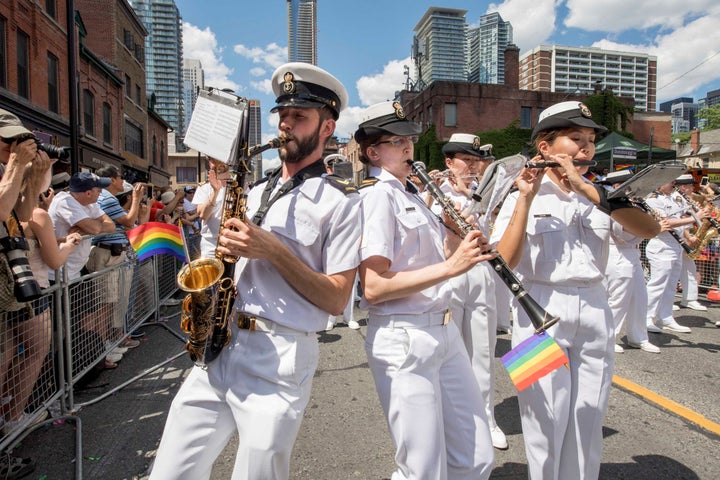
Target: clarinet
(539, 317)
(640, 202)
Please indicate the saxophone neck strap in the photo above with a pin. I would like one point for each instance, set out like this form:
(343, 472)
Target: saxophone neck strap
(315, 169)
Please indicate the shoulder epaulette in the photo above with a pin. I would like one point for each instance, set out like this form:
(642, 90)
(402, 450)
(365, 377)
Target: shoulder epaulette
(368, 182)
(343, 184)
(654, 194)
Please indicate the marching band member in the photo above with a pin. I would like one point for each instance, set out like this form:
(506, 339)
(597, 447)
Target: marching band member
(473, 303)
(301, 250)
(422, 373)
(627, 294)
(664, 254)
(688, 271)
(555, 231)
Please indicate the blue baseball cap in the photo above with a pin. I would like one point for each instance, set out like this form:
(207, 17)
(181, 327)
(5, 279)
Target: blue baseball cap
(84, 181)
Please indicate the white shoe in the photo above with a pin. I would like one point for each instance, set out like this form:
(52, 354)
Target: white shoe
(645, 347)
(619, 349)
(118, 350)
(498, 438)
(353, 324)
(717, 324)
(113, 357)
(694, 305)
(652, 328)
(676, 327)
(675, 308)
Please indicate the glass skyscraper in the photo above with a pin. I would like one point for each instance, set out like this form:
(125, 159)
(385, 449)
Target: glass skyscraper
(302, 31)
(439, 46)
(163, 60)
(486, 49)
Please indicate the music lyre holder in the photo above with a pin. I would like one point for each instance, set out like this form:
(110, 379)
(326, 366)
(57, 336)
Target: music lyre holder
(648, 180)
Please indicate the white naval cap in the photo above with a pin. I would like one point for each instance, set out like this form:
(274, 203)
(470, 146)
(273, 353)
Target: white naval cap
(385, 118)
(303, 85)
(566, 114)
(685, 179)
(467, 143)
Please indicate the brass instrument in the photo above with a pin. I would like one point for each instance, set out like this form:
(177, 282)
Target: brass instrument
(708, 228)
(540, 318)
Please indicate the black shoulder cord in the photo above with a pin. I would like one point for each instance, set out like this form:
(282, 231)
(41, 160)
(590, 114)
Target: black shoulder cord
(313, 170)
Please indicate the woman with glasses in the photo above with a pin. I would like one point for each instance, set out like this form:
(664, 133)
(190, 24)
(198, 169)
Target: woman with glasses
(421, 370)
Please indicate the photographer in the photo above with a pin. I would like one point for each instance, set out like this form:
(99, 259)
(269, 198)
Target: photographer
(24, 168)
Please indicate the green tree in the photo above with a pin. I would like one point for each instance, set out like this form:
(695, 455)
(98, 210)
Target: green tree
(609, 111)
(507, 141)
(712, 116)
(429, 150)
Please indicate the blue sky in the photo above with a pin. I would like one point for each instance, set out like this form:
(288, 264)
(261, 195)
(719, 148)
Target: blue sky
(366, 43)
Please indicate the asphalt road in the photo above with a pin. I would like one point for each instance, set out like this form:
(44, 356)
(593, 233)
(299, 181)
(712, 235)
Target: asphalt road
(662, 432)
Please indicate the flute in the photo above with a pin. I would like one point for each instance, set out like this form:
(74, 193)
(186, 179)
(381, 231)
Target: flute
(576, 163)
(540, 318)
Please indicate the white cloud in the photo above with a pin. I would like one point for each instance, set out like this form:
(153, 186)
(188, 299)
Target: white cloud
(382, 86)
(202, 45)
(616, 16)
(257, 72)
(264, 86)
(684, 56)
(348, 122)
(533, 21)
(273, 55)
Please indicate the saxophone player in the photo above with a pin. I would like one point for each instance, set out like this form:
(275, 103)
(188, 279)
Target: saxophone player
(688, 271)
(301, 253)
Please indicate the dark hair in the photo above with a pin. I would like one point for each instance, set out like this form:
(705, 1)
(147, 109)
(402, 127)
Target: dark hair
(108, 171)
(548, 136)
(366, 143)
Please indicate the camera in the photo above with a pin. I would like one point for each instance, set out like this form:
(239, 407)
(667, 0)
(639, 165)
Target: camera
(149, 190)
(26, 288)
(61, 154)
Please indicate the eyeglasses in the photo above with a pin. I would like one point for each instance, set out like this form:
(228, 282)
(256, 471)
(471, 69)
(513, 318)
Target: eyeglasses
(399, 142)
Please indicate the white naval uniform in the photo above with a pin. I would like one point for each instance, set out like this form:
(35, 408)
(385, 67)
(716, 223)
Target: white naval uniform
(664, 254)
(688, 269)
(210, 227)
(626, 285)
(260, 384)
(475, 311)
(562, 267)
(421, 370)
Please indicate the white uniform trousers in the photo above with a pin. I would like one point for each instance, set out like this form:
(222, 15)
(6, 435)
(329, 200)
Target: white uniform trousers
(474, 312)
(563, 412)
(688, 279)
(665, 262)
(431, 403)
(259, 385)
(503, 301)
(627, 293)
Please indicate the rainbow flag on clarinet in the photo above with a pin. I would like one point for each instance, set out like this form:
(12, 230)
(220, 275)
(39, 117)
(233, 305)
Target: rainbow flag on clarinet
(533, 359)
(155, 238)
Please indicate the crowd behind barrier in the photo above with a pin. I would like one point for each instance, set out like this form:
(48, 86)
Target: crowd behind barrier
(68, 351)
(708, 267)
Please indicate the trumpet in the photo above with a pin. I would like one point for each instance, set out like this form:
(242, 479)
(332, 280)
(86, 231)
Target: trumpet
(540, 318)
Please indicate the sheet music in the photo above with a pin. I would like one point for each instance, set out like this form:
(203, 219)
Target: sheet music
(215, 124)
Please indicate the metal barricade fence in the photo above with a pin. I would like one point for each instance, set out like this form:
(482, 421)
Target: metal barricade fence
(707, 264)
(89, 317)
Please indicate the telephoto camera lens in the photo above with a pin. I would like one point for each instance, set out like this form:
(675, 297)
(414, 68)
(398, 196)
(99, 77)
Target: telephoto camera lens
(26, 288)
(55, 152)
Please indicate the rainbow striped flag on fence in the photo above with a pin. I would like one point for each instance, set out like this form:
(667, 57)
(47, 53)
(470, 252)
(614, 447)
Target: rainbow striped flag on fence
(533, 359)
(155, 238)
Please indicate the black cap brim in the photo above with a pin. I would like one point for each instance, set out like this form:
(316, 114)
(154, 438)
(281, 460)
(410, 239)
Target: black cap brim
(401, 128)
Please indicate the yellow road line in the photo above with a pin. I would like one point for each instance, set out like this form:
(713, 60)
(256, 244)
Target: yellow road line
(667, 404)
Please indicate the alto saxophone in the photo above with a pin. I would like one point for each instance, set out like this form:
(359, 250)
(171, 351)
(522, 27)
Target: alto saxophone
(707, 229)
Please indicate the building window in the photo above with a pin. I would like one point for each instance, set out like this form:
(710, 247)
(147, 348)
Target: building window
(128, 86)
(51, 8)
(154, 150)
(89, 113)
(3, 52)
(525, 117)
(162, 154)
(107, 123)
(138, 94)
(451, 114)
(133, 139)
(53, 87)
(185, 174)
(23, 64)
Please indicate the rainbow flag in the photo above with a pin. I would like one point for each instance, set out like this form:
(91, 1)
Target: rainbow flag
(155, 238)
(533, 359)
(591, 176)
(624, 166)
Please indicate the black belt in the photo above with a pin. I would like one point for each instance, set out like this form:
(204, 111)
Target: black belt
(112, 246)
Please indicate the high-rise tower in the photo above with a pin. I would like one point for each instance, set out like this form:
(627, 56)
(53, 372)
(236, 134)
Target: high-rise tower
(439, 46)
(486, 49)
(163, 60)
(302, 31)
(193, 80)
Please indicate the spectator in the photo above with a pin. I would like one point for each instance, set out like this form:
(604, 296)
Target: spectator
(34, 332)
(77, 211)
(162, 210)
(209, 199)
(23, 168)
(191, 222)
(110, 249)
